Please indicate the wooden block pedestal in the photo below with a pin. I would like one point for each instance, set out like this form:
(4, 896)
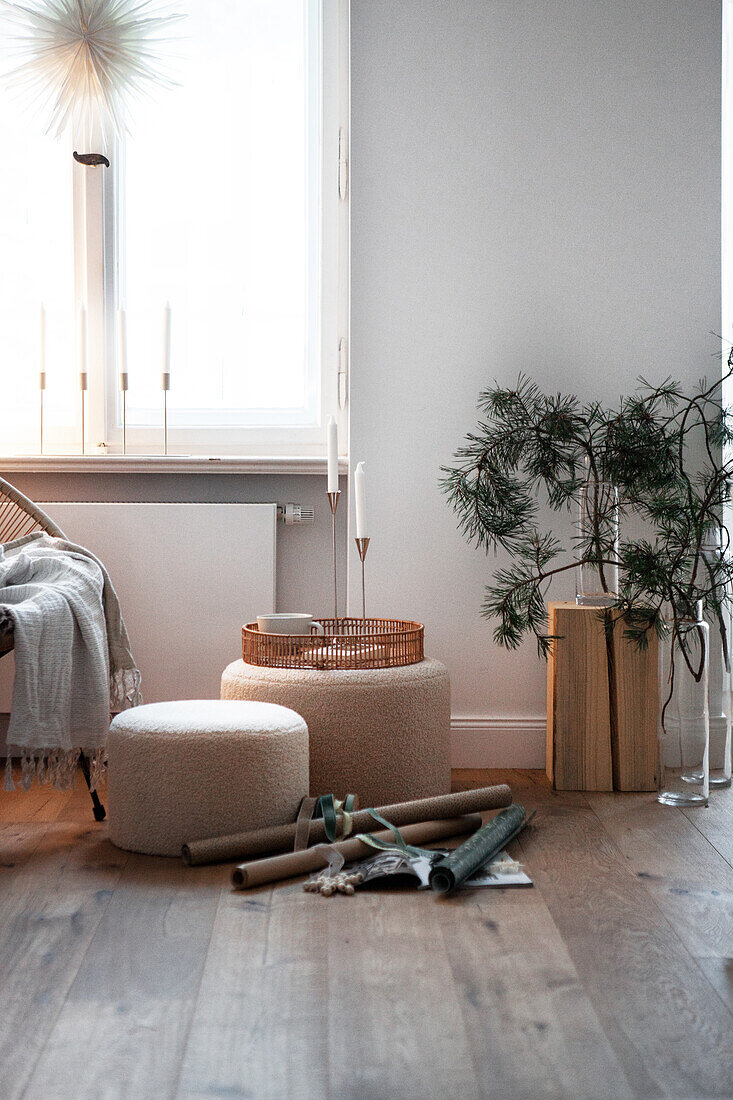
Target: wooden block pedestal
(601, 705)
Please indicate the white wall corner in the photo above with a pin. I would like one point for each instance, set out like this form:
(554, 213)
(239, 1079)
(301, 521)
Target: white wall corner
(485, 742)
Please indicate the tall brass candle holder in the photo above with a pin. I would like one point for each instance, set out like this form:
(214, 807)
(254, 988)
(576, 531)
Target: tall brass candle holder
(333, 502)
(362, 545)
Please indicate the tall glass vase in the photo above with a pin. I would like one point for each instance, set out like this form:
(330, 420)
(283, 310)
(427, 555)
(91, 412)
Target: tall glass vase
(719, 675)
(684, 725)
(597, 540)
(719, 703)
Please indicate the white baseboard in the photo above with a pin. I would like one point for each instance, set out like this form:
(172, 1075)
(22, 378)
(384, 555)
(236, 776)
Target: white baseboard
(485, 742)
(475, 742)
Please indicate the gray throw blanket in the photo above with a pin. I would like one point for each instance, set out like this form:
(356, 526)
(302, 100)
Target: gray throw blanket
(73, 663)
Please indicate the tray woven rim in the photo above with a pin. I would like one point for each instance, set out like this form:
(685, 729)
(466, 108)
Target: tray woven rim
(387, 643)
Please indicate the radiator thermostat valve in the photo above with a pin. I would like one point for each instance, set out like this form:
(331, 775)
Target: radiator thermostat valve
(295, 513)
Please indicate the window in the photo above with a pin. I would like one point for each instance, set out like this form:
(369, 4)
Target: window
(227, 200)
(37, 251)
(727, 185)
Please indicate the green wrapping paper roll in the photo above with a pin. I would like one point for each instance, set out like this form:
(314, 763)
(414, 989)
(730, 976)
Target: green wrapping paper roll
(478, 850)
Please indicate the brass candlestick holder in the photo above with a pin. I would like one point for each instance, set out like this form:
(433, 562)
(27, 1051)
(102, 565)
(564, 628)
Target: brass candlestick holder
(362, 545)
(333, 503)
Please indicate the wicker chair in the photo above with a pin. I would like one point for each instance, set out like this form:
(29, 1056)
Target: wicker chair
(20, 516)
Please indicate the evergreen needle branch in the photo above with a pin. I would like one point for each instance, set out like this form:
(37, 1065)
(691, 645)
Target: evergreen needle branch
(661, 448)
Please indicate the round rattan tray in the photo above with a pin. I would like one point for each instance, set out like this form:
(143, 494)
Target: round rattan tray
(346, 644)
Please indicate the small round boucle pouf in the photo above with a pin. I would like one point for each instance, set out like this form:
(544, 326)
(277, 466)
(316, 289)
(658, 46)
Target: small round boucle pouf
(383, 734)
(201, 767)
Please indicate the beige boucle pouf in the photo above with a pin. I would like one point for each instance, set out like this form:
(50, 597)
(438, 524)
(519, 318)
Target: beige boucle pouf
(199, 768)
(383, 734)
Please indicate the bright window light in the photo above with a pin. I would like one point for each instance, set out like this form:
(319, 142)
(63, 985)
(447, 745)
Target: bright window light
(227, 198)
(219, 193)
(37, 250)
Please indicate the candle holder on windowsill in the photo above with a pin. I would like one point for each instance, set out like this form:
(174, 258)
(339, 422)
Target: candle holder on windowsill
(333, 503)
(362, 545)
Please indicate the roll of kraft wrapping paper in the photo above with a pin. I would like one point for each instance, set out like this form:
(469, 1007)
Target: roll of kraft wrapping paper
(279, 838)
(276, 868)
(478, 850)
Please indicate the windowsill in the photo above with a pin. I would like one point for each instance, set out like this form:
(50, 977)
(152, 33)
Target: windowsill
(167, 464)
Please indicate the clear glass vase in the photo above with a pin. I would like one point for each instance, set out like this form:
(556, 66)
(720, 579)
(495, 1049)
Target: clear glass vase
(719, 686)
(684, 726)
(597, 537)
(719, 677)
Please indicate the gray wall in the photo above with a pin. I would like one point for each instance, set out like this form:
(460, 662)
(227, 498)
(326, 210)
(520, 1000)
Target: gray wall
(535, 187)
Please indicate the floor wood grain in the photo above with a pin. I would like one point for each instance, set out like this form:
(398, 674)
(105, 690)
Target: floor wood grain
(127, 977)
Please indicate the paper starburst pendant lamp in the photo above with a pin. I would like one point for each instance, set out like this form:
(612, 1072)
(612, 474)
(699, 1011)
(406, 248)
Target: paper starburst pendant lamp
(83, 61)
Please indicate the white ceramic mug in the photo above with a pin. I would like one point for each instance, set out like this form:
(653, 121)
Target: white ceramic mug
(289, 622)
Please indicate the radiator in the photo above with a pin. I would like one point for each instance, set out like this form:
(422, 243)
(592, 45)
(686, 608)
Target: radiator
(188, 576)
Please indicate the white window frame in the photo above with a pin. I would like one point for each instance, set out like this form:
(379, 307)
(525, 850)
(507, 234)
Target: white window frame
(97, 233)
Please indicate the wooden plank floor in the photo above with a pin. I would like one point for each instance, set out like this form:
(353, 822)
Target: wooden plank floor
(123, 976)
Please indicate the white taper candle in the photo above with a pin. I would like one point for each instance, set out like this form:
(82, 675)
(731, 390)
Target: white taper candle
(167, 346)
(83, 378)
(122, 347)
(360, 501)
(42, 355)
(333, 456)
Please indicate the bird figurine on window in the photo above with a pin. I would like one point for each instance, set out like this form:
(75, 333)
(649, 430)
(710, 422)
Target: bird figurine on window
(92, 160)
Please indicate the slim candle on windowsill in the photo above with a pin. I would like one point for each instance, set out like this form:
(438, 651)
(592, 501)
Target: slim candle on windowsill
(122, 347)
(42, 356)
(167, 346)
(83, 376)
(122, 366)
(166, 378)
(83, 348)
(42, 372)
